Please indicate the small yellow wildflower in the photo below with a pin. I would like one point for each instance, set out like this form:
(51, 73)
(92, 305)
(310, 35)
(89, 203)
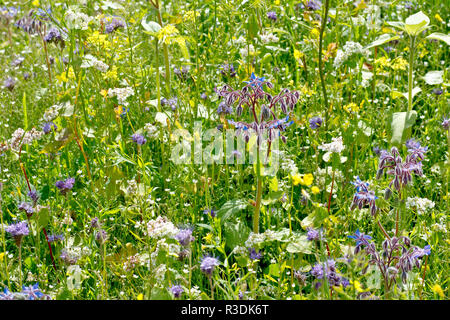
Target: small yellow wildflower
(438, 289)
(140, 296)
(35, 3)
(315, 33)
(208, 238)
(297, 54)
(383, 63)
(111, 74)
(438, 18)
(166, 33)
(1, 256)
(351, 107)
(190, 15)
(305, 180)
(399, 64)
(315, 190)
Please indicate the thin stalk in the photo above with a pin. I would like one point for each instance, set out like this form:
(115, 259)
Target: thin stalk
(322, 78)
(20, 265)
(410, 74)
(258, 193)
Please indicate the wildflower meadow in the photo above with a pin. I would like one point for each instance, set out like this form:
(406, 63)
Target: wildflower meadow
(224, 150)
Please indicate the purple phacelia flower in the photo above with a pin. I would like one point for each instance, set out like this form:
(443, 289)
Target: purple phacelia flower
(315, 122)
(208, 265)
(34, 195)
(55, 237)
(272, 15)
(48, 126)
(203, 96)
(223, 108)
(138, 138)
(65, 185)
(9, 83)
(18, 230)
(313, 5)
(437, 91)
(177, 290)
(227, 70)
(184, 237)
(54, 35)
(446, 123)
(114, 25)
(313, 234)
(28, 208)
(101, 236)
(253, 254)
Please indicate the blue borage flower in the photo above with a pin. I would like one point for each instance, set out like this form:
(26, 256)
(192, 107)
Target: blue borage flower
(364, 196)
(361, 238)
(255, 81)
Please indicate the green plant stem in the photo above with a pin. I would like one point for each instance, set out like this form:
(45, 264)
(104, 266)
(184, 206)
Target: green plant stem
(410, 74)
(258, 193)
(322, 78)
(165, 48)
(20, 265)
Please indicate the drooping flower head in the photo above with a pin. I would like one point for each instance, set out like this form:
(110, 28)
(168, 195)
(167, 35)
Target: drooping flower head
(363, 196)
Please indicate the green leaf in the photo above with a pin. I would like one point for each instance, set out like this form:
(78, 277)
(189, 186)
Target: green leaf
(440, 36)
(151, 27)
(314, 220)
(397, 24)
(274, 270)
(160, 294)
(252, 26)
(416, 23)
(299, 244)
(400, 122)
(236, 233)
(230, 208)
(381, 40)
(434, 77)
(43, 218)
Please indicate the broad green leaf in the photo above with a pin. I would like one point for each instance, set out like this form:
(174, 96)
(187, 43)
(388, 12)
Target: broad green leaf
(299, 244)
(434, 77)
(236, 233)
(416, 23)
(400, 122)
(230, 208)
(440, 36)
(273, 184)
(152, 27)
(43, 218)
(397, 24)
(381, 40)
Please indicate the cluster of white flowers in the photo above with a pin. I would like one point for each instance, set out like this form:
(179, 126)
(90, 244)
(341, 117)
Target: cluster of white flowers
(20, 137)
(77, 20)
(346, 52)
(160, 273)
(132, 186)
(268, 38)
(244, 52)
(240, 250)
(121, 93)
(51, 113)
(161, 227)
(255, 240)
(287, 164)
(152, 131)
(335, 146)
(420, 204)
(91, 61)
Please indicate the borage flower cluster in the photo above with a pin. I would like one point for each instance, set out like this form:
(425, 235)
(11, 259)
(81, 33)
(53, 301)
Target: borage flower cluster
(251, 96)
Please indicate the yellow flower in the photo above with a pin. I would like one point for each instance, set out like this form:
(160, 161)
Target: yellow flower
(111, 74)
(298, 54)
(140, 296)
(438, 18)
(35, 3)
(383, 63)
(190, 15)
(1, 256)
(315, 33)
(437, 289)
(208, 238)
(399, 64)
(304, 180)
(351, 107)
(315, 190)
(166, 33)
(357, 285)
